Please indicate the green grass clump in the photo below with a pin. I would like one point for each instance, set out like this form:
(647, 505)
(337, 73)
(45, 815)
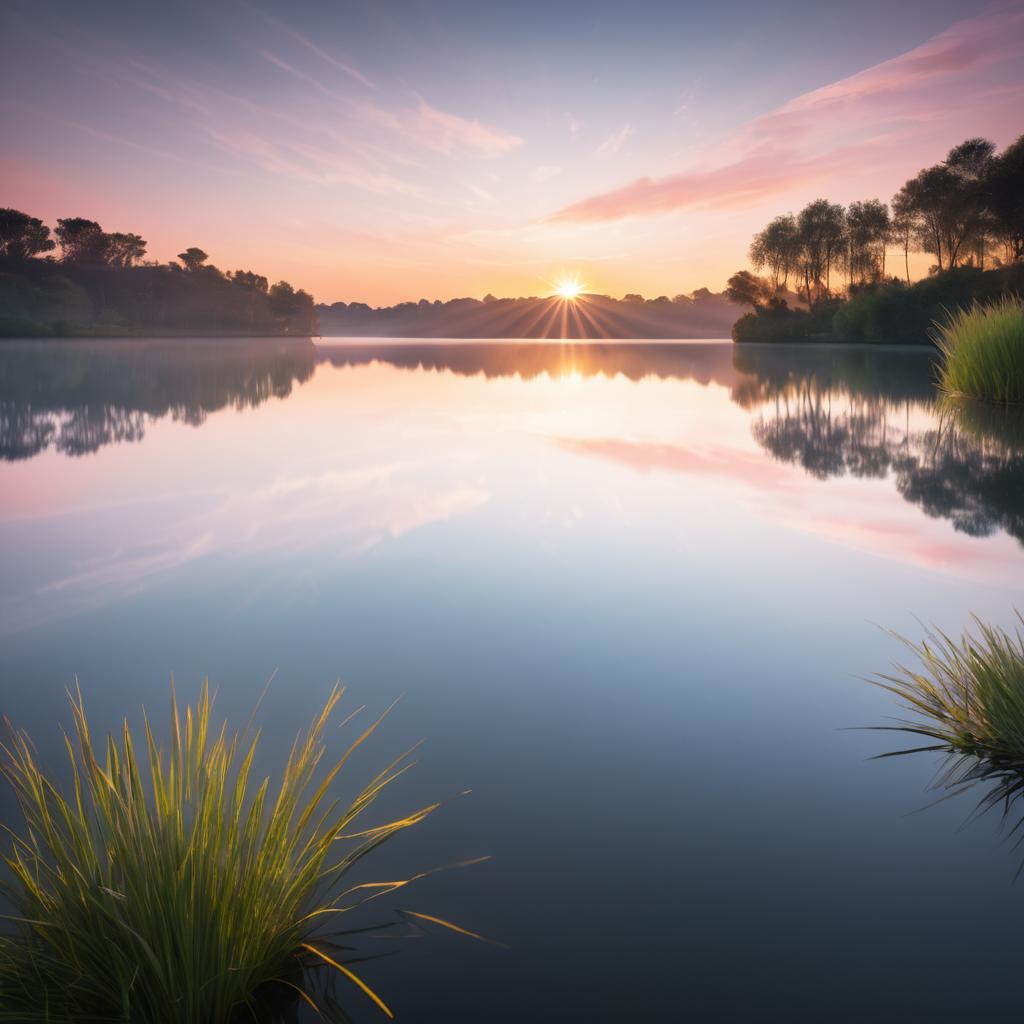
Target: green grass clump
(166, 886)
(968, 697)
(983, 351)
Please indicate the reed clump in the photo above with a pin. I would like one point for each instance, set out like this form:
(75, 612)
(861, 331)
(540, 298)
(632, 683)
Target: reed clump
(167, 885)
(967, 697)
(983, 351)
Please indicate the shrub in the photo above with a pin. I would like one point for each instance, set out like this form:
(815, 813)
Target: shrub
(165, 887)
(774, 323)
(983, 351)
(895, 313)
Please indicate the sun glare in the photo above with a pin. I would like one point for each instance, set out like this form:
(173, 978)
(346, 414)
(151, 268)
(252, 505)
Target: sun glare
(569, 289)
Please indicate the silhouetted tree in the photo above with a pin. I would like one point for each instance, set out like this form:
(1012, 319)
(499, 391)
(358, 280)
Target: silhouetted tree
(193, 258)
(1004, 191)
(902, 227)
(971, 162)
(294, 309)
(746, 289)
(948, 205)
(867, 230)
(22, 236)
(250, 281)
(124, 250)
(777, 248)
(81, 240)
(821, 230)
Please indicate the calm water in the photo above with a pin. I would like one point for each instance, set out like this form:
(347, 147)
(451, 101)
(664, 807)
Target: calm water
(628, 593)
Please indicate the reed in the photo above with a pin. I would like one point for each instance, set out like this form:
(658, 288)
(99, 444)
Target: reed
(967, 697)
(168, 885)
(983, 351)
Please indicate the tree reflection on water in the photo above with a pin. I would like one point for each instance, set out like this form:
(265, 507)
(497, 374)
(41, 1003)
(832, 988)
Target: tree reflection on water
(78, 397)
(963, 462)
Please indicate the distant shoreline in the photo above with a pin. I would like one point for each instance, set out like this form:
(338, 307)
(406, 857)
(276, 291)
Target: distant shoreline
(371, 341)
(198, 335)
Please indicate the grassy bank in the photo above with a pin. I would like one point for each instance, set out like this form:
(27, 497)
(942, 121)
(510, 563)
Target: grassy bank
(167, 885)
(983, 352)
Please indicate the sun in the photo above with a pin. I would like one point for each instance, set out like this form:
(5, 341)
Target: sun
(568, 289)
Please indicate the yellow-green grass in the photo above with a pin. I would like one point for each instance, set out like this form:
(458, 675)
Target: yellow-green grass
(165, 885)
(967, 698)
(983, 351)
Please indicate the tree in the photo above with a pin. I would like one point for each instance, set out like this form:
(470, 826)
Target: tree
(124, 250)
(901, 227)
(821, 236)
(81, 240)
(747, 289)
(867, 231)
(1004, 196)
(193, 258)
(22, 236)
(776, 247)
(947, 204)
(971, 162)
(250, 281)
(293, 309)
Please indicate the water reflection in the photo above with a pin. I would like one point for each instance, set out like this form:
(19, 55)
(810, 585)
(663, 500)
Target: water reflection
(559, 551)
(875, 417)
(705, 363)
(833, 412)
(78, 397)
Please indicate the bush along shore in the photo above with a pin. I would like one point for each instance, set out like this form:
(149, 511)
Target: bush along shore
(843, 274)
(890, 313)
(166, 884)
(101, 286)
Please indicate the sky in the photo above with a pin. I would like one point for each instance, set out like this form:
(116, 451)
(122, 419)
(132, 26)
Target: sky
(382, 152)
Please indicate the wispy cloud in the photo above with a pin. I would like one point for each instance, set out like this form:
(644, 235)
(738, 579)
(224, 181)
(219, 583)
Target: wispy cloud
(450, 134)
(616, 140)
(807, 139)
(292, 33)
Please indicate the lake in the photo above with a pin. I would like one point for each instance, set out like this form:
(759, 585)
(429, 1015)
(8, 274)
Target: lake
(628, 593)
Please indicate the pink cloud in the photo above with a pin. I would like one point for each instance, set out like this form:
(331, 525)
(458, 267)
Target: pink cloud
(763, 173)
(449, 133)
(840, 127)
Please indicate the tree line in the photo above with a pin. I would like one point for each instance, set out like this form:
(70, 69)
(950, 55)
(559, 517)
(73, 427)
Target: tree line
(967, 211)
(101, 281)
